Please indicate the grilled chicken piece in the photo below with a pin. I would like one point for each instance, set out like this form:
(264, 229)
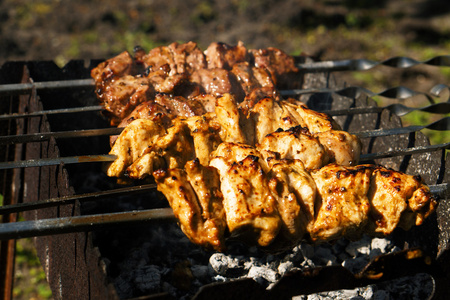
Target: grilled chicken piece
(342, 147)
(269, 116)
(236, 152)
(342, 206)
(132, 143)
(250, 207)
(230, 119)
(294, 143)
(170, 150)
(295, 192)
(313, 120)
(205, 132)
(196, 201)
(398, 200)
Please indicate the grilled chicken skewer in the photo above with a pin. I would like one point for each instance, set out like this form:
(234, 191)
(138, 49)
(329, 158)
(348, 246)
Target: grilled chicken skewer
(230, 175)
(276, 203)
(291, 131)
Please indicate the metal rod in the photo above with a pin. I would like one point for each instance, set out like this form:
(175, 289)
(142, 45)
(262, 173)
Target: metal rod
(45, 136)
(25, 88)
(25, 229)
(56, 161)
(401, 152)
(52, 112)
(21, 207)
(441, 125)
(366, 64)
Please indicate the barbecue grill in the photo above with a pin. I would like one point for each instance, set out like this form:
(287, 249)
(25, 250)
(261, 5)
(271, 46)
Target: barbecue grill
(54, 144)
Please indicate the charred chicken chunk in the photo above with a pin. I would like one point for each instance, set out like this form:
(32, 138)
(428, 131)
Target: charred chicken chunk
(132, 143)
(398, 200)
(196, 201)
(342, 147)
(295, 191)
(250, 208)
(342, 205)
(294, 143)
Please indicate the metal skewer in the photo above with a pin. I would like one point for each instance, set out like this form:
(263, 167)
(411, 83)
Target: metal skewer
(25, 229)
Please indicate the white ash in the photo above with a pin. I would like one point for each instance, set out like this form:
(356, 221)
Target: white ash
(417, 287)
(168, 262)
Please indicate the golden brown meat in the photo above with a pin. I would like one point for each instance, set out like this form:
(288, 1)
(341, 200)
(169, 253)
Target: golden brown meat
(295, 192)
(250, 207)
(198, 136)
(196, 201)
(342, 206)
(132, 143)
(398, 200)
(294, 143)
(342, 147)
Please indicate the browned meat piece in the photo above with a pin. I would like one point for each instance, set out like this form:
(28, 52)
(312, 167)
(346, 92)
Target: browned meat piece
(342, 147)
(208, 101)
(250, 207)
(160, 58)
(118, 66)
(187, 57)
(295, 143)
(251, 77)
(121, 96)
(147, 110)
(342, 206)
(175, 59)
(294, 190)
(196, 202)
(313, 120)
(132, 144)
(256, 95)
(180, 106)
(217, 82)
(398, 200)
(162, 82)
(280, 65)
(220, 55)
(206, 134)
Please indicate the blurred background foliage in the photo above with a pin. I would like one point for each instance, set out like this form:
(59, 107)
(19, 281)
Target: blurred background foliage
(324, 29)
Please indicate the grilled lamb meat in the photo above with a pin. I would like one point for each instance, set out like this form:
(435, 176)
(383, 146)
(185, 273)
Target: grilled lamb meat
(221, 55)
(125, 81)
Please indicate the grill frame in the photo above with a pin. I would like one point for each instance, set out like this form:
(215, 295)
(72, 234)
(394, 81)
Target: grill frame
(53, 181)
